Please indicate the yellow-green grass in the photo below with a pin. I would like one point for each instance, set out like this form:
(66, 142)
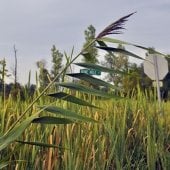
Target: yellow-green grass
(131, 133)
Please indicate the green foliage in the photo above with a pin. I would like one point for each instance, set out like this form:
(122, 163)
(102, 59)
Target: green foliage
(130, 134)
(116, 41)
(71, 132)
(67, 113)
(57, 58)
(84, 89)
(92, 80)
(71, 98)
(43, 74)
(3, 164)
(133, 80)
(13, 134)
(118, 61)
(122, 54)
(40, 144)
(90, 55)
(2, 76)
(101, 68)
(51, 120)
(3, 71)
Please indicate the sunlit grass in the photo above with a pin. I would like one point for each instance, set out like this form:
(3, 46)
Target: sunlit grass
(131, 133)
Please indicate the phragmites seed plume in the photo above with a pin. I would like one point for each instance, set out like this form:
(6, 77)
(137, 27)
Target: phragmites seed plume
(115, 27)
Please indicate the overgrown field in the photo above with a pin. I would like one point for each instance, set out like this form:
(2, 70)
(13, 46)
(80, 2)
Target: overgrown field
(93, 125)
(131, 133)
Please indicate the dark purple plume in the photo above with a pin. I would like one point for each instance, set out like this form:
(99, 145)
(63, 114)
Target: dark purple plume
(115, 27)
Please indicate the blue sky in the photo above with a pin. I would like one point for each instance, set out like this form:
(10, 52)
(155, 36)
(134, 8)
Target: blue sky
(35, 25)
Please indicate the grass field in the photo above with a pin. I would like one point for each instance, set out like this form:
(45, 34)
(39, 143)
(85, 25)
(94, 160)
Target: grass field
(131, 133)
(85, 127)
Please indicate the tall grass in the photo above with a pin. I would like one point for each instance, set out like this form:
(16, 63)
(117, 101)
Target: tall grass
(131, 134)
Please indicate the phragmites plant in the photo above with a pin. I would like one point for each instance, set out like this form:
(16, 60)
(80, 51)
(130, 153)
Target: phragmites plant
(113, 28)
(73, 105)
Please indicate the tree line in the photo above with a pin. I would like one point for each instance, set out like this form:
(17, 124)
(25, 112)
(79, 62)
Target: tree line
(130, 82)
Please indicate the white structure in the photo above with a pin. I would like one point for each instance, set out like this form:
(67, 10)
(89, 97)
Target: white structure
(156, 68)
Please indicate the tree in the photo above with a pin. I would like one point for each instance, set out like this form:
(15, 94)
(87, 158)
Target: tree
(90, 56)
(133, 79)
(3, 74)
(57, 58)
(43, 74)
(117, 61)
(3, 71)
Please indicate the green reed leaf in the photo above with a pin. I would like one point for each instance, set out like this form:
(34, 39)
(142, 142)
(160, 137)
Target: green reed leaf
(88, 90)
(40, 144)
(119, 50)
(67, 113)
(93, 80)
(4, 164)
(14, 133)
(70, 98)
(101, 68)
(52, 120)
